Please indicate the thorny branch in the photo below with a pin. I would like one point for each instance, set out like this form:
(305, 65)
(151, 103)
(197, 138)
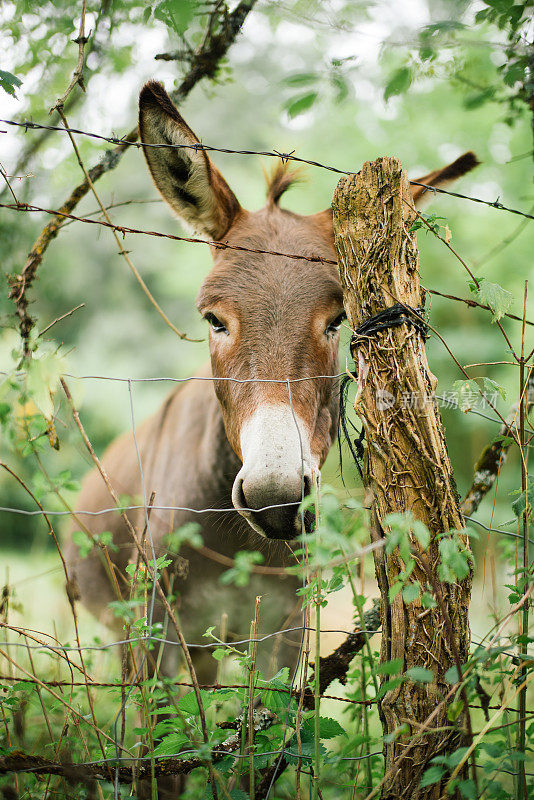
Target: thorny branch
(204, 64)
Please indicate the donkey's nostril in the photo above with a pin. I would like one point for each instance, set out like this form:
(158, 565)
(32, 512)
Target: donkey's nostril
(238, 496)
(307, 485)
(281, 522)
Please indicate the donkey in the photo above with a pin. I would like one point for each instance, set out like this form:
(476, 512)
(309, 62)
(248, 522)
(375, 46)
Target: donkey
(250, 435)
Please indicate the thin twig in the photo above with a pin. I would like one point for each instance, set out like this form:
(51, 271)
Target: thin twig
(474, 304)
(63, 316)
(522, 791)
(77, 75)
(5, 176)
(122, 251)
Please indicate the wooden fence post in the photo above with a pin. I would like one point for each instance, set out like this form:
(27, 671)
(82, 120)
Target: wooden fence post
(407, 467)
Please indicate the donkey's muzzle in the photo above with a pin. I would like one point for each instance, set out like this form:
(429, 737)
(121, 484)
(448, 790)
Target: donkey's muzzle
(277, 473)
(275, 517)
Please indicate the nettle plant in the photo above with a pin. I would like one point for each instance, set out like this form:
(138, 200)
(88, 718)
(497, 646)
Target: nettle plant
(253, 719)
(265, 715)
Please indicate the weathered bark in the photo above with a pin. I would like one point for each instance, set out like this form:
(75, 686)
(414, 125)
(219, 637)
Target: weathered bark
(407, 465)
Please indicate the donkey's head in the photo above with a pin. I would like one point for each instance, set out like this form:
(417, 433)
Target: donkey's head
(274, 321)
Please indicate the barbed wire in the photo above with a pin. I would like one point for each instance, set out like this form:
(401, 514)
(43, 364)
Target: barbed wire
(217, 687)
(200, 146)
(124, 229)
(219, 244)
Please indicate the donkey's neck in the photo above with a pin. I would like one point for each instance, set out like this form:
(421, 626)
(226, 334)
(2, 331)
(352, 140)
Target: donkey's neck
(191, 460)
(218, 465)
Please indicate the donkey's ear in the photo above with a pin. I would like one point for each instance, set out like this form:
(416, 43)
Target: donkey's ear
(442, 178)
(185, 177)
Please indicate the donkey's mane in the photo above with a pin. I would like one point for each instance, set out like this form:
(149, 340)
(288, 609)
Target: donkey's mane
(279, 181)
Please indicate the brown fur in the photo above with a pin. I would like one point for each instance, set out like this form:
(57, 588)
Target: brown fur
(203, 198)
(280, 180)
(445, 176)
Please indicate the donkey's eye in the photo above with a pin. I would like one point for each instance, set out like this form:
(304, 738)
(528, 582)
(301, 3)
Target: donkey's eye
(216, 324)
(335, 325)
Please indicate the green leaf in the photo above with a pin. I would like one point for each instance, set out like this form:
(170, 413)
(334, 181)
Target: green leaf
(300, 79)
(341, 86)
(219, 653)
(432, 775)
(388, 686)
(392, 667)
(275, 700)
(83, 543)
(394, 590)
(490, 385)
(187, 534)
(188, 703)
(176, 14)
(468, 789)
(328, 727)
(454, 710)
(283, 675)
(411, 592)
(244, 561)
(455, 758)
(524, 501)
(307, 749)
(42, 380)
(125, 609)
(444, 26)
(8, 82)
(303, 103)
(398, 83)
(421, 533)
(420, 674)
(477, 99)
(454, 563)
(171, 744)
(5, 409)
(235, 794)
(427, 600)
(498, 299)
(517, 755)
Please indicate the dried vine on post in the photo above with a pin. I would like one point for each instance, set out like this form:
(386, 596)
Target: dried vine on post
(407, 470)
